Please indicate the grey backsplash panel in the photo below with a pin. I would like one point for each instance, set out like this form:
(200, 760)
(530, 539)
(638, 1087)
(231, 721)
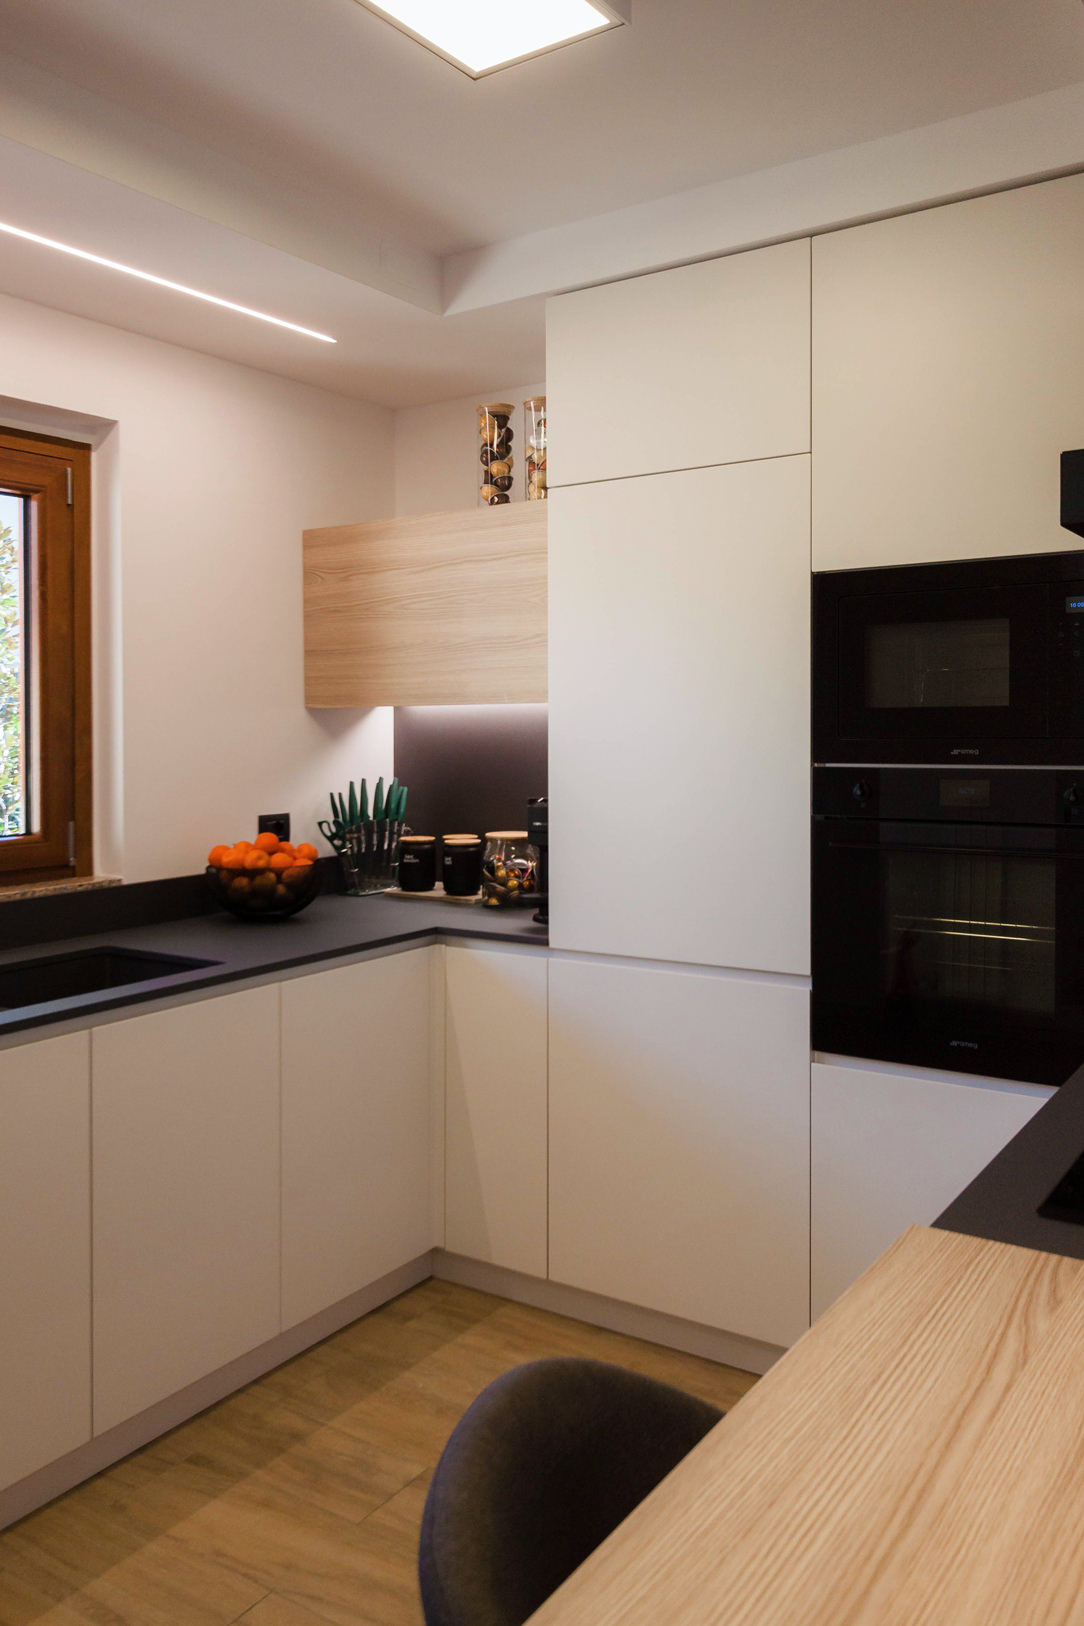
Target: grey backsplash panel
(470, 767)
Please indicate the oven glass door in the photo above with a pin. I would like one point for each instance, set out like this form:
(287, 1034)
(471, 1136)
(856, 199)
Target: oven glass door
(943, 665)
(950, 946)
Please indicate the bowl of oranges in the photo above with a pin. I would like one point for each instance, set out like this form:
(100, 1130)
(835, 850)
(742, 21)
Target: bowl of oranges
(265, 879)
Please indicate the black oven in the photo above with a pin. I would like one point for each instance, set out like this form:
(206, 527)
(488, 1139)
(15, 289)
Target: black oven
(948, 911)
(980, 660)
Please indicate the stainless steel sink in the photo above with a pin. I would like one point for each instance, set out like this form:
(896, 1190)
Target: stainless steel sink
(62, 976)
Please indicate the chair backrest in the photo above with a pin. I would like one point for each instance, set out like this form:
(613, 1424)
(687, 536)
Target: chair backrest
(546, 1462)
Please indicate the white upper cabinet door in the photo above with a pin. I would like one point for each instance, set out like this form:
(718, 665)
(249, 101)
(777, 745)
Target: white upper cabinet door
(948, 375)
(679, 717)
(708, 363)
(889, 1151)
(186, 1196)
(355, 1128)
(679, 1144)
(44, 1252)
(495, 1193)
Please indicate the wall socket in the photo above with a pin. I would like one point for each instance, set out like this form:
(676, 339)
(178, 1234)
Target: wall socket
(277, 823)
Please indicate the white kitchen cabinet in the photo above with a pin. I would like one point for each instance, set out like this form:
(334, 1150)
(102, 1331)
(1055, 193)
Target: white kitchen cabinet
(186, 1195)
(495, 1122)
(679, 717)
(44, 1253)
(703, 364)
(355, 1128)
(948, 375)
(892, 1149)
(679, 1143)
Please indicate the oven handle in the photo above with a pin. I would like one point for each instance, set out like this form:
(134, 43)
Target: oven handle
(952, 847)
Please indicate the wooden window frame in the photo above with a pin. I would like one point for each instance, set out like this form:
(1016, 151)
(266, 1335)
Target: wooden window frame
(37, 466)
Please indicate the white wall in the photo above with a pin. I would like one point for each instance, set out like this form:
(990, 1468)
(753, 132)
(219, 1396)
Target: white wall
(436, 451)
(206, 475)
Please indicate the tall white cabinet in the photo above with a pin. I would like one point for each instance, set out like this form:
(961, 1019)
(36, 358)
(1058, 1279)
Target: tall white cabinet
(679, 716)
(679, 1143)
(705, 364)
(948, 375)
(44, 1252)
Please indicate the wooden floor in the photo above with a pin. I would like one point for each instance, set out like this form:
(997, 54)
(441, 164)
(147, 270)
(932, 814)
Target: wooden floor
(297, 1501)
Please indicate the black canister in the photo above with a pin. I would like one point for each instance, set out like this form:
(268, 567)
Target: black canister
(417, 863)
(538, 834)
(461, 869)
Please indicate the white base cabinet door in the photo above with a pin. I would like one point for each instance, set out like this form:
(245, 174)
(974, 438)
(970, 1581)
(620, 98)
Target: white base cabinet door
(44, 1253)
(679, 1143)
(355, 1128)
(186, 1196)
(702, 364)
(495, 1119)
(679, 717)
(948, 376)
(891, 1150)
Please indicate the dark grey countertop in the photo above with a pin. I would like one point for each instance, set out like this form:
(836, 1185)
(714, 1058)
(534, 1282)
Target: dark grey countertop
(1002, 1202)
(333, 926)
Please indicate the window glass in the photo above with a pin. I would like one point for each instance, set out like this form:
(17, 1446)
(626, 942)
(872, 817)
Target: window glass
(14, 791)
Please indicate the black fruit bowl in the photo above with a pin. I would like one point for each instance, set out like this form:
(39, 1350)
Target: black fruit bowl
(260, 894)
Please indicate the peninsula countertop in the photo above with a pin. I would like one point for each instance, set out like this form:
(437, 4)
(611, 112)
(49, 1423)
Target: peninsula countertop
(915, 1460)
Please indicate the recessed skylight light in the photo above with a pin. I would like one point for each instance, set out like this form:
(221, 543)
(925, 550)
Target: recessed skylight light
(163, 282)
(480, 35)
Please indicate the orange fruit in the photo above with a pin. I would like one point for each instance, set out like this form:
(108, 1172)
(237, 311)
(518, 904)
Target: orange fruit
(216, 855)
(242, 846)
(282, 893)
(240, 886)
(307, 850)
(297, 875)
(256, 858)
(263, 884)
(233, 860)
(268, 841)
(288, 848)
(280, 861)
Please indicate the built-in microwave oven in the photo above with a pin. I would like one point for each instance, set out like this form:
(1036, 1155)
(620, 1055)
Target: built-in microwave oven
(974, 661)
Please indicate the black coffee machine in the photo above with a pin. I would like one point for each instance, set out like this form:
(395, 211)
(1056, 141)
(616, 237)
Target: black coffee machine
(538, 834)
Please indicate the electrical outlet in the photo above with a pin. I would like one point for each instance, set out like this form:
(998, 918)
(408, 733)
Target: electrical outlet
(277, 823)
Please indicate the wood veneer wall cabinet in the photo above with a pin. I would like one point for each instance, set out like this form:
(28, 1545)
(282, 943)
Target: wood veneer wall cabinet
(948, 375)
(44, 1253)
(703, 364)
(431, 610)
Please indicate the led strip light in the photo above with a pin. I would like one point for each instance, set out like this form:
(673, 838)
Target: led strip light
(163, 282)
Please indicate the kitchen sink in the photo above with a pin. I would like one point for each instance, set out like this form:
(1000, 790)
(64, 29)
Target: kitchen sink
(33, 982)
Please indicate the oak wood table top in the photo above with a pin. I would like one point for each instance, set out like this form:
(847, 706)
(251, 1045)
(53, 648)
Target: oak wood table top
(917, 1459)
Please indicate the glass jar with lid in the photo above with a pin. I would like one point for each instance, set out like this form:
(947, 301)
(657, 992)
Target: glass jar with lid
(495, 436)
(509, 869)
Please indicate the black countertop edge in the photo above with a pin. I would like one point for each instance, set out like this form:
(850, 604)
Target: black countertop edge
(1001, 1204)
(333, 927)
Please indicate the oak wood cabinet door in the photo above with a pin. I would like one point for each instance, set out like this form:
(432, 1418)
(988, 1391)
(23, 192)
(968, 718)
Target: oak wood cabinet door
(495, 1122)
(44, 1252)
(356, 1128)
(679, 717)
(679, 1143)
(889, 1151)
(186, 1195)
(948, 376)
(703, 364)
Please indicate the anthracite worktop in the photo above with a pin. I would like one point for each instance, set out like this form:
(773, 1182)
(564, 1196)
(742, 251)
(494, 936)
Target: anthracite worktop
(1002, 1202)
(332, 927)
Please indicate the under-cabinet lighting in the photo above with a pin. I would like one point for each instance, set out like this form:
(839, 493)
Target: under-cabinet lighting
(480, 35)
(163, 282)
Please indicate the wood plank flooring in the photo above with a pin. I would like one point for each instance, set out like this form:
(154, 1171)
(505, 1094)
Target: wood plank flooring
(297, 1501)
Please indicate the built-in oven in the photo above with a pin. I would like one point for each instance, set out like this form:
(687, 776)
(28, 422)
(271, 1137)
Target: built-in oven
(948, 911)
(980, 660)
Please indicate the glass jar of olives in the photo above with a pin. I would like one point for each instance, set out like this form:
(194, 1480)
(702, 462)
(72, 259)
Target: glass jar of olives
(509, 869)
(495, 436)
(534, 433)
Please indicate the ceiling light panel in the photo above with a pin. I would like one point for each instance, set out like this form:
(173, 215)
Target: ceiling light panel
(482, 35)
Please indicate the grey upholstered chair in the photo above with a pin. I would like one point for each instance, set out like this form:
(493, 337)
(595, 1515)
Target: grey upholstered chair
(546, 1462)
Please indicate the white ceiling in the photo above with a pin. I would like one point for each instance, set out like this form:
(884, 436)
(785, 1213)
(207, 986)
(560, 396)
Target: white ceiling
(347, 161)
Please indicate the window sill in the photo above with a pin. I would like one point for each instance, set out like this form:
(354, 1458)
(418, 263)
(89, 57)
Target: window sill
(49, 889)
